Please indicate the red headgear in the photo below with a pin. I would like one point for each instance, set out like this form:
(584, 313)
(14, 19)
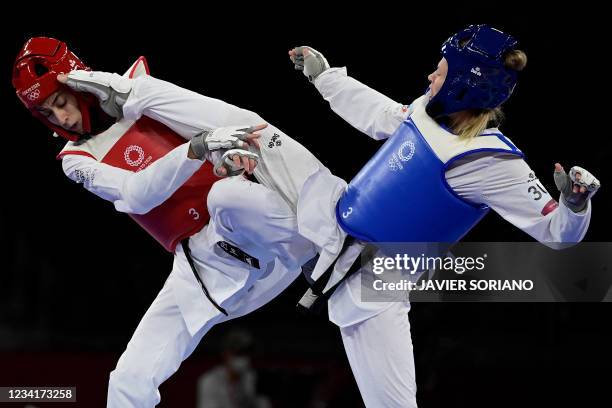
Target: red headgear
(35, 78)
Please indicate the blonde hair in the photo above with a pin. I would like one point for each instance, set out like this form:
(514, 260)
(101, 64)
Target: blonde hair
(469, 124)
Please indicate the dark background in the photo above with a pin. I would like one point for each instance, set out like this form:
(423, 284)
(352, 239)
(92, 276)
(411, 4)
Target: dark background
(76, 276)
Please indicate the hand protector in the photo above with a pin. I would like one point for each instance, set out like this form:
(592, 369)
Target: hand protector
(229, 137)
(576, 188)
(225, 159)
(111, 89)
(312, 64)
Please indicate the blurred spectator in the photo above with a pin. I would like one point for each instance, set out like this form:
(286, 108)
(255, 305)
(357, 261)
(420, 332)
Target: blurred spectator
(233, 383)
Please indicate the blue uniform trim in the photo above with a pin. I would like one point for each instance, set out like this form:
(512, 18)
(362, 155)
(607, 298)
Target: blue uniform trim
(508, 143)
(459, 156)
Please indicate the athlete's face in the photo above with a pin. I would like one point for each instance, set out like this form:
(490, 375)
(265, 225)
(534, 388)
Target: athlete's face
(436, 78)
(62, 109)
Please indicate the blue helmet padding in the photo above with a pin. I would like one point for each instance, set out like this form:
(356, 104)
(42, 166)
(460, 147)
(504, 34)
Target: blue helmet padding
(477, 77)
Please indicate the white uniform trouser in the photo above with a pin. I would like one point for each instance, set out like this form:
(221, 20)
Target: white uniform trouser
(162, 339)
(379, 350)
(376, 335)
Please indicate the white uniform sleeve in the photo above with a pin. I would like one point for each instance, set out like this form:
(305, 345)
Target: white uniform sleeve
(512, 190)
(184, 111)
(367, 110)
(135, 193)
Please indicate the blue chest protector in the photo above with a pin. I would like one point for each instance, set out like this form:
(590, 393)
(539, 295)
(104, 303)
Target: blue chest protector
(401, 194)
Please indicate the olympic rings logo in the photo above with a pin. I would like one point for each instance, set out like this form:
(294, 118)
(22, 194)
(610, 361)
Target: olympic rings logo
(139, 151)
(404, 154)
(34, 95)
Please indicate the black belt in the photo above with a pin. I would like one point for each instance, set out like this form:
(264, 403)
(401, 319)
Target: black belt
(314, 300)
(185, 244)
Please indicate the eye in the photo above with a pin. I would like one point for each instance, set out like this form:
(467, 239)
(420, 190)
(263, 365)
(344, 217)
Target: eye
(61, 101)
(45, 112)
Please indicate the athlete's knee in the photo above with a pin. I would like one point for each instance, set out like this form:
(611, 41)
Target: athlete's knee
(234, 197)
(221, 198)
(231, 193)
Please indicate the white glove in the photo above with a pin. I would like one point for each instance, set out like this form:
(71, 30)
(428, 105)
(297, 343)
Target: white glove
(111, 89)
(225, 159)
(221, 138)
(309, 61)
(229, 137)
(576, 188)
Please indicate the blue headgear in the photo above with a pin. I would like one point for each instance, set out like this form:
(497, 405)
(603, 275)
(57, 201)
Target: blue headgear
(477, 77)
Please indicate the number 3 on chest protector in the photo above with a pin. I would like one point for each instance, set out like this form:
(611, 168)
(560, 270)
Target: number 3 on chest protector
(345, 214)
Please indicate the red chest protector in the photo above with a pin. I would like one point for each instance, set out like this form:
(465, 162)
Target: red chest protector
(135, 145)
